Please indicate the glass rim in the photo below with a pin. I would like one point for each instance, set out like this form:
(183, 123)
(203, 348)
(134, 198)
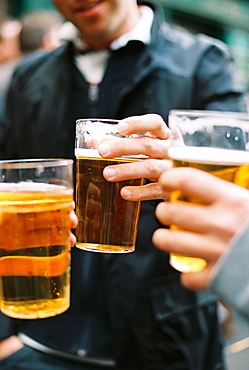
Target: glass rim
(104, 120)
(33, 163)
(211, 113)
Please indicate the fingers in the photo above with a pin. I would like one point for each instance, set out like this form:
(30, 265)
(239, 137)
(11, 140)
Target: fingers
(145, 192)
(226, 205)
(152, 143)
(73, 220)
(190, 244)
(149, 168)
(145, 145)
(73, 225)
(185, 215)
(151, 123)
(198, 280)
(219, 219)
(200, 184)
(72, 239)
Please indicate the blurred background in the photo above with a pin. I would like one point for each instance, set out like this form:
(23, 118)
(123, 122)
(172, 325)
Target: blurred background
(227, 20)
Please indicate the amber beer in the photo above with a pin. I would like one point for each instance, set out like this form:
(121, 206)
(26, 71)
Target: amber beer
(34, 249)
(230, 165)
(107, 222)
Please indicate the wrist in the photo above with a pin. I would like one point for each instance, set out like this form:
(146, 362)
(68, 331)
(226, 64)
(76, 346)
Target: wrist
(9, 346)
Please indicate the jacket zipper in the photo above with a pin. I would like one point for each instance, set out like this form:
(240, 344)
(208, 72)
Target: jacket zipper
(93, 94)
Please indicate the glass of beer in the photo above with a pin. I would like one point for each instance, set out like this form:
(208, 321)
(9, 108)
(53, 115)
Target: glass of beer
(107, 222)
(36, 197)
(216, 142)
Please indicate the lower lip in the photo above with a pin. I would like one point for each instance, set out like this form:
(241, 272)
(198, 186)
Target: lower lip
(91, 11)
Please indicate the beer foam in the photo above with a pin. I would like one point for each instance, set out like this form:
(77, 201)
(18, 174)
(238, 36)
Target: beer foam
(30, 186)
(209, 155)
(94, 153)
(87, 153)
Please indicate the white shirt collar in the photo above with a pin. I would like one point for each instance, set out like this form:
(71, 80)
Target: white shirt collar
(141, 31)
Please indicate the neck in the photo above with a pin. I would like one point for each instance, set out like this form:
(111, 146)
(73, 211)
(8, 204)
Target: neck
(128, 24)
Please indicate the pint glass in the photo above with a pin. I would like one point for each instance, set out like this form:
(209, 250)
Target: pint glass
(107, 222)
(35, 202)
(216, 142)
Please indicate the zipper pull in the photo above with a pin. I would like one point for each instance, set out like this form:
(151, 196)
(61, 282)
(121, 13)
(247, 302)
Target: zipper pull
(93, 93)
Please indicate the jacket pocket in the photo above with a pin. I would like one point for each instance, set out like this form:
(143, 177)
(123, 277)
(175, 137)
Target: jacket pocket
(187, 327)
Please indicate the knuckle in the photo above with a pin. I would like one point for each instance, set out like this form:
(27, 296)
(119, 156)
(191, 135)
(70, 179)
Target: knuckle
(147, 142)
(225, 225)
(153, 167)
(241, 203)
(230, 222)
(160, 126)
(157, 191)
(158, 121)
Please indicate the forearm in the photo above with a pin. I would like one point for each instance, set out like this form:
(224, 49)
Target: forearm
(9, 342)
(9, 345)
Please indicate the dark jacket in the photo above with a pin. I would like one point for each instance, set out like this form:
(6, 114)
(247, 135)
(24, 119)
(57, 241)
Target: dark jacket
(130, 308)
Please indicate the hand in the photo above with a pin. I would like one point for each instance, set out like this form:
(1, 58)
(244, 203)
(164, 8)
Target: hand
(73, 224)
(209, 227)
(9, 346)
(152, 143)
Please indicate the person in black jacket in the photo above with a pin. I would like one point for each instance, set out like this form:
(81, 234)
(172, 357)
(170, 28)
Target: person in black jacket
(128, 312)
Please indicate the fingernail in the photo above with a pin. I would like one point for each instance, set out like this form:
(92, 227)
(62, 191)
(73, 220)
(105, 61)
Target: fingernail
(126, 193)
(123, 127)
(104, 149)
(109, 173)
